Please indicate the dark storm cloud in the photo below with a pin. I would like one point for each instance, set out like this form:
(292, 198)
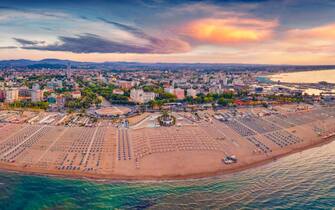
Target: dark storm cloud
(25, 42)
(90, 43)
(165, 45)
(130, 29)
(135, 31)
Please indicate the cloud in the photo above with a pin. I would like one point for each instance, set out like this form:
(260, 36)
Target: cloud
(162, 45)
(9, 13)
(316, 40)
(316, 49)
(91, 43)
(209, 9)
(322, 32)
(130, 29)
(108, 37)
(25, 42)
(7, 47)
(230, 30)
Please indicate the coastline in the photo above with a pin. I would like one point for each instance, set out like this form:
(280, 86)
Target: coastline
(296, 77)
(189, 151)
(120, 178)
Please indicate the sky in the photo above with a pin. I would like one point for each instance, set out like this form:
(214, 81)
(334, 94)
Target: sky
(226, 31)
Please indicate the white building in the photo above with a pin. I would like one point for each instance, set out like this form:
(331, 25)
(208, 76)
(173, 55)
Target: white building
(53, 84)
(12, 95)
(169, 90)
(214, 90)
(191, 92)
(118, 92)
(139, 96)
(238, 82)
(36, 86)
(225, 81)
(76, 94)
(36, 95)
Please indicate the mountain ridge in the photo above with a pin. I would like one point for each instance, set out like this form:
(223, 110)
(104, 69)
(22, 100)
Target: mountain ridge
(52, 63)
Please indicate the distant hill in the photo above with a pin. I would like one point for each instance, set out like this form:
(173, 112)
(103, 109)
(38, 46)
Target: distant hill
(45, 63)
(119, 66)
(21, 62)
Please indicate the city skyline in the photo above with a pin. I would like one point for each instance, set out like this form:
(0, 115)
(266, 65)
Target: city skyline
(269, 32)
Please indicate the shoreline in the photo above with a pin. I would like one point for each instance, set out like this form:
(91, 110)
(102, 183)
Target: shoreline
(273, 77)
(124, 178)
(188, 151)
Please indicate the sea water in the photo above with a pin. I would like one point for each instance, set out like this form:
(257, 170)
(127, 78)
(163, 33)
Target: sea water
(304, 180)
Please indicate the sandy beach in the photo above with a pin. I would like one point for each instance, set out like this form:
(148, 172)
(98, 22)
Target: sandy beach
(305, 76)
(194, 149)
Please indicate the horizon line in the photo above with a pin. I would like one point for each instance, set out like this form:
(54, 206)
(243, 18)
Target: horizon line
(194, 63)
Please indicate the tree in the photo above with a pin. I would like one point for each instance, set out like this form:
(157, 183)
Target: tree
(29, 104)
(223, 102)
(208, 99)
(46, 94)
(165, 113)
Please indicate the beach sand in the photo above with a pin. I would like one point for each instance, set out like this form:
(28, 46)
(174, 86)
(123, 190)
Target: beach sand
(179, 152)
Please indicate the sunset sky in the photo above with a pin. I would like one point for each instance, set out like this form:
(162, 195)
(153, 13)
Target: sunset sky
(249, 31)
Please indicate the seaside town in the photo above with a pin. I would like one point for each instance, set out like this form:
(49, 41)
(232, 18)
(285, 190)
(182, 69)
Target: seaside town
(141, 124)
(167, 104)
(81, 90)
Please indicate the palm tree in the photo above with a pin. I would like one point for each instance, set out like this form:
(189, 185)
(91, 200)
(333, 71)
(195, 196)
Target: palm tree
(165, 113)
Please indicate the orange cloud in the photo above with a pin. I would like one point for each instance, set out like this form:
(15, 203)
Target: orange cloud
(317, 40)
(322, 32)
(230, 31)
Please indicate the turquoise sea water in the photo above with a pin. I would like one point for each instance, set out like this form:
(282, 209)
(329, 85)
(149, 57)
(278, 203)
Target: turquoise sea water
(263, 80)
(304, 180)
